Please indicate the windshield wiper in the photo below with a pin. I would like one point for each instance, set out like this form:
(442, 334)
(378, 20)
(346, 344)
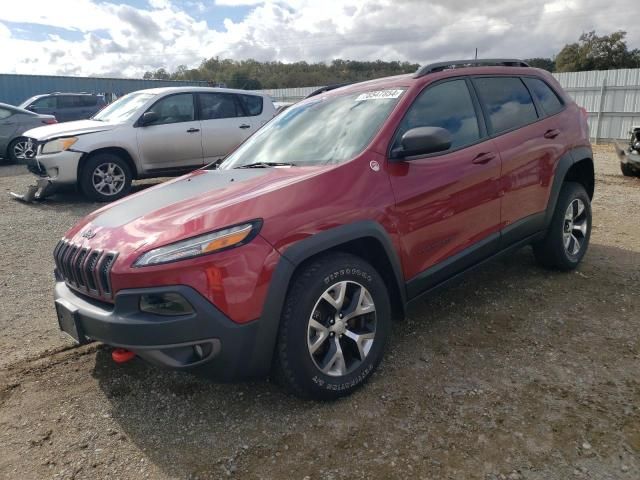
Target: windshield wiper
(266, 165)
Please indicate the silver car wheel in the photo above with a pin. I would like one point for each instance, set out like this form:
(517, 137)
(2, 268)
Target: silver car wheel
(108, 179)
(575, 227)
(342, 328)
(23, 149)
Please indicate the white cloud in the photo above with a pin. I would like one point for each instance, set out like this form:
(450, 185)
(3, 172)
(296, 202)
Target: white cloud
(121, 40)
(238, 3)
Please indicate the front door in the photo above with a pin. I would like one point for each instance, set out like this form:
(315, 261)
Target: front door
(448, 203)
(174, 140)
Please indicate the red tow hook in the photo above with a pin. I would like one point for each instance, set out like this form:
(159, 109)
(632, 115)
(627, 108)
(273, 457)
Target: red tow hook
(122, 355)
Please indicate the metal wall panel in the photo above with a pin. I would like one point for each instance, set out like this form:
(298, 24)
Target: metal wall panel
(612, 96)
(14, 89)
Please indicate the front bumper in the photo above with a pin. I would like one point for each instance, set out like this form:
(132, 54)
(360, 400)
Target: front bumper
(58, 168)
(168, 341)
(627, 156)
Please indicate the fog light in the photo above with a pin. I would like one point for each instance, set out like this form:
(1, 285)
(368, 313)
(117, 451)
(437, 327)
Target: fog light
(168, 304)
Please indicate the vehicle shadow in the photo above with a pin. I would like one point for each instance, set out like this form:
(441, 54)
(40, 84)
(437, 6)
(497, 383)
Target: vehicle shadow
(190, 426)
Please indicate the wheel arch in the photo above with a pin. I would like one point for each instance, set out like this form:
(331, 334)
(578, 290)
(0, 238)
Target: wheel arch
(365, 239)
(119, 151)
(574, 166)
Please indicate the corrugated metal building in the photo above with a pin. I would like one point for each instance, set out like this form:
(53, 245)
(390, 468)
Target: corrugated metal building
(14, 89)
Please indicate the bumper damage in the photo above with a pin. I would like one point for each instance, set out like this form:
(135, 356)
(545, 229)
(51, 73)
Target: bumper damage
(203, 341)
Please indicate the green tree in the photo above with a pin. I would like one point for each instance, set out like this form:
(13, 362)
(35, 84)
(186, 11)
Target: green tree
(593, 52)
(544, 63)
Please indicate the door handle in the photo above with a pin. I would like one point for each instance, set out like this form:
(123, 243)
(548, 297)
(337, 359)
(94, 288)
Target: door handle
(483, 158)
(244, 125)
(551, 133)
(193, 130)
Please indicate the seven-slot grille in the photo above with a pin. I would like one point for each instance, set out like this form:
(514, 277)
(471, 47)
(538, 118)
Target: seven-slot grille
(84, 269)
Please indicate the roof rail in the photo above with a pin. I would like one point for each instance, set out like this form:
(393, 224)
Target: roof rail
(480, 62)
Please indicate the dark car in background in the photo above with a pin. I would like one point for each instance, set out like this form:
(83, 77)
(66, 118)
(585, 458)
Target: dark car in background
(14, 122)
(65, 106)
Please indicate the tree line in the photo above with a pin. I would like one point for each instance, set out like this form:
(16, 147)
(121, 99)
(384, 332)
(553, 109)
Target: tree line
(590, 52)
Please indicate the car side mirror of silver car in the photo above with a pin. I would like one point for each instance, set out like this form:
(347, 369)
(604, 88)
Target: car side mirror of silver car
(148, 118)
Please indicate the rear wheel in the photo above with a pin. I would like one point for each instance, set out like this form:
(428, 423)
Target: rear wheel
(567, 238)
(105, 177)
(335, 324)
(19, 149)
(628, 170)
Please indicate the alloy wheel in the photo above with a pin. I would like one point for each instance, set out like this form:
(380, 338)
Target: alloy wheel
(575, 227)
(342, 328)
(23, 149)
(108, 178)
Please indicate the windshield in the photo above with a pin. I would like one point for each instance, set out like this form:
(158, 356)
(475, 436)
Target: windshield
(28, 102)
(123, 108)
(325, 130)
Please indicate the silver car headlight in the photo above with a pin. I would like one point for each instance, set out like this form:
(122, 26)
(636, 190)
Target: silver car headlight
(217, 241)
(58, 145)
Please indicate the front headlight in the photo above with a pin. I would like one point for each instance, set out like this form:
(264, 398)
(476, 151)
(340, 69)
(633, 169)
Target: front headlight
(59, 145)
(217, 241)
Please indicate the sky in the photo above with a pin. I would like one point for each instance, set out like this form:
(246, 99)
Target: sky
(127, 38)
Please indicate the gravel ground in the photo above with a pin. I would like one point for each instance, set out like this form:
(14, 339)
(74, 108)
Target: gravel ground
(513, 373)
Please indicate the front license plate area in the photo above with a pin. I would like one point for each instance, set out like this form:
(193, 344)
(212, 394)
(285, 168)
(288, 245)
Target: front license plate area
(68, 321)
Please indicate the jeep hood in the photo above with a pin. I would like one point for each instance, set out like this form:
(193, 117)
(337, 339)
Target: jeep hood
(69, 129)
(198, 203)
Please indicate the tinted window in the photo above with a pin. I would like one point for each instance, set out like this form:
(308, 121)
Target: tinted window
(88, 101)
(447, 105)
(5, 113)
(507, 101)
(45, 102)
(252, 104)
(68, 101)
(218, 105)
(547, 97)
(174, 109)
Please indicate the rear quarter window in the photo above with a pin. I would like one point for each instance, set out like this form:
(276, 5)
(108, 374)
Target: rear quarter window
(506, 101)
(252, 104)
(545, 95)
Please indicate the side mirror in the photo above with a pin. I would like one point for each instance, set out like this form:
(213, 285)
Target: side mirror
(148, 118)
(31, 108)
(423, 140)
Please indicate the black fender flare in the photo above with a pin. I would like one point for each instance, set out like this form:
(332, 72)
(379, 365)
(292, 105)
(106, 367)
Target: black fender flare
(294, 256)
(566, 161)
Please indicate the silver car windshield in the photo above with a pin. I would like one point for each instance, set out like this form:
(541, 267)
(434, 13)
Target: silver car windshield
(326, 130)
(123, 108)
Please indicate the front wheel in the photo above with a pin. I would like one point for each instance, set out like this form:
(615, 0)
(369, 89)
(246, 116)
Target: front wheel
(19, 149)
(628, 171)
(567, 238)
(105, 177)
(335, 324)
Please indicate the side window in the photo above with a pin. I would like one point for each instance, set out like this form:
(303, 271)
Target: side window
(88, 101)
(174, 109)
(545, 95)
(252, 104)
(507, 102)
(446, 105)
(67, 101)
(218, 105)
(4, 113)
(45, 102)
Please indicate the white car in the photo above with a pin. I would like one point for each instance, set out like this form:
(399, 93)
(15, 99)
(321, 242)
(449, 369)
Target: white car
(148, 133)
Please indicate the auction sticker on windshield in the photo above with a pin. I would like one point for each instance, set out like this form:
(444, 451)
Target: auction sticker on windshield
(379, 95)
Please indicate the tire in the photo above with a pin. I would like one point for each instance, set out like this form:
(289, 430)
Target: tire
(567, 238)
(628, 170)
(116, 177)
(15, 148)
(311, 322)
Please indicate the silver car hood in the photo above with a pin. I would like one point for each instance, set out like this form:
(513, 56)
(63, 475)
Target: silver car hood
(69, 129)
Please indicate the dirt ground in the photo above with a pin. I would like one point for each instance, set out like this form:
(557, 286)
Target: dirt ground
(514, 373)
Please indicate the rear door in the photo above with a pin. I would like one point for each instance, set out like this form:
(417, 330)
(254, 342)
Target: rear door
(527, 163)
(225, 124)
(174, 140)
(447, 203)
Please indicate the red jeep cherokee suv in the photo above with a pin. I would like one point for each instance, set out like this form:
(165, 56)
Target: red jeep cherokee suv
(295, 253)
